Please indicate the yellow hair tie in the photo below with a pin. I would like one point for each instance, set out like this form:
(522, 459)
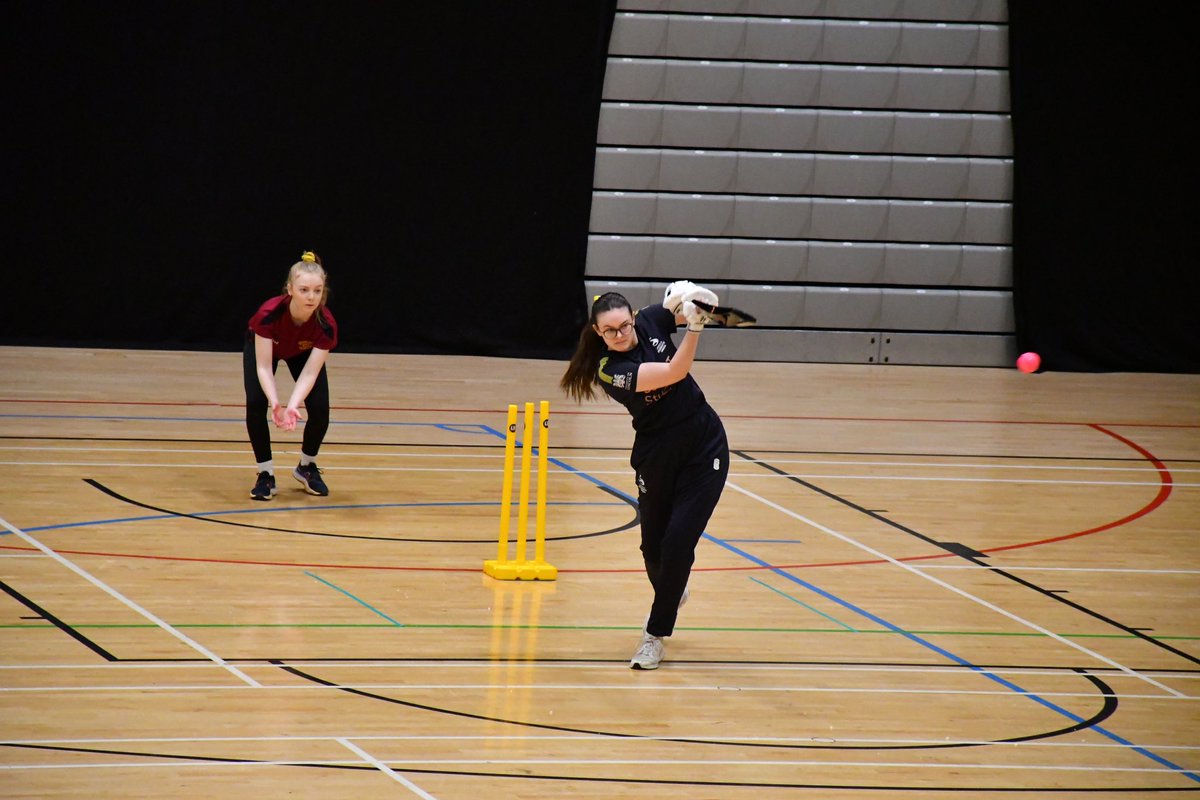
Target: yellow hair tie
(595, 297)
(309, 256)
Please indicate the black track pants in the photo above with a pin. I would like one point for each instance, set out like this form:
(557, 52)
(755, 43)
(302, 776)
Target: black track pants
(680, 475)
(316, 405)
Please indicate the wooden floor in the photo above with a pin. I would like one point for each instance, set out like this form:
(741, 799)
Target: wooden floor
(920, 582)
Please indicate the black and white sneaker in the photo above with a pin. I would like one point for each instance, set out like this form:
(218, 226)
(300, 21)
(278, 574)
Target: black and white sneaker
(310, 476)
(264, 487)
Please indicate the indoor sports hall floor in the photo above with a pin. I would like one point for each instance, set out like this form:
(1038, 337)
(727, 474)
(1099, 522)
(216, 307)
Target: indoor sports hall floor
(920, 582)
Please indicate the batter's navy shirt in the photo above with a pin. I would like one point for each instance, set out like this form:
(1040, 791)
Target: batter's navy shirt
(660, 408)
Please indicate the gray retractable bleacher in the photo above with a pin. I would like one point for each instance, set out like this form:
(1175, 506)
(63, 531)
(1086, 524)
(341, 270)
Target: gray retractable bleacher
(840, 168)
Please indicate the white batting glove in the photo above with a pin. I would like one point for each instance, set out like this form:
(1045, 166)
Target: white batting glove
(673, 297)
(701, 294)
(694, 316)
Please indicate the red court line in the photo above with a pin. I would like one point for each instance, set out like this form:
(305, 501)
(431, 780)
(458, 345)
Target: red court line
(1164, 491)
(1166, 482)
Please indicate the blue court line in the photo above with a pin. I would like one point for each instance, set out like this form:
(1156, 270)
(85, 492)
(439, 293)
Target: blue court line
(241, 420)
(277, 509)
(767, 541)
(801, 602)
(564, 465)
(915, 638)
(355, 599)
(738, 551)
(955, 658)
(461, 427)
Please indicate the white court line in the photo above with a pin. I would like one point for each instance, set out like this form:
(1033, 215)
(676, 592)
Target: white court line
(379, 765)
(635, 740)
(601, 762)
(1139, 466)
(1028, 568)
(950, 670)
(580, 687)
(99, 584)
(746, 475)
(963, 593)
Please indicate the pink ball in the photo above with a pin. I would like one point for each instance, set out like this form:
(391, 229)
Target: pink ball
(1029, 362)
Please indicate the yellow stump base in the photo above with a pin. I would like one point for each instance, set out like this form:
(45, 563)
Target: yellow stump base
(520, 570)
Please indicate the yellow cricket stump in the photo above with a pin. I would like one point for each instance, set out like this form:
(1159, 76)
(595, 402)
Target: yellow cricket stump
(521, 568)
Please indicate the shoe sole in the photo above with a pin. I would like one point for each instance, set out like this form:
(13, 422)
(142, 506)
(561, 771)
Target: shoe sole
(643, 666)
(253, 496)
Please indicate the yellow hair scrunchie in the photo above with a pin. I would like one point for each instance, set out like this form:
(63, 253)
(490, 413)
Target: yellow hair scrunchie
(309, 256)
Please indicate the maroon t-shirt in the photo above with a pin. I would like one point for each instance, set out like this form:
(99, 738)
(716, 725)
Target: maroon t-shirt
(273, 322)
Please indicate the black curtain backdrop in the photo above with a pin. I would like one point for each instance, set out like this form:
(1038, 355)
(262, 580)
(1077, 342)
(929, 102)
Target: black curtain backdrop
(166, 162)
(1104, 257)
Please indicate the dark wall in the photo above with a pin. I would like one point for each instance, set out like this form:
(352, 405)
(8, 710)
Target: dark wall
(1104, 254)
(167, 162)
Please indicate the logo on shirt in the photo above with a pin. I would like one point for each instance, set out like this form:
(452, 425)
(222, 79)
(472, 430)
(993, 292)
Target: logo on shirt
(641, 484)
(650, 398)
(304, 345)
(620, 381)
(659, 345)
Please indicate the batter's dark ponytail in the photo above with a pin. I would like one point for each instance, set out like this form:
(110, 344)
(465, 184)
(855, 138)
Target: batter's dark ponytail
(579, 381)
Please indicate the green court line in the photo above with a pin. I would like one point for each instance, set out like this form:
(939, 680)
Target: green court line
(698, 629)
(801, 602)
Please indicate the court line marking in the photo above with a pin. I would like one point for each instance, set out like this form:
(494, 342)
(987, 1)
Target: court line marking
(952, 588)
(677, 666)
(575, 737)
(1035, 568)
(363, 603)
(622, 473)
(847, 462)
(616, 687)
(104, 587)
(797, 600)
(584, 413)
(379, 765)
(418, 763)
(1018, 568)
(733, 473)
(1191, 775)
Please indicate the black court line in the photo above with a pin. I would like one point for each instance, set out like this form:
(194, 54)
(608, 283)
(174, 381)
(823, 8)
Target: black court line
(957, 550)
(1041, 791)
(58, 623)
(216, 521)
(1107, 709)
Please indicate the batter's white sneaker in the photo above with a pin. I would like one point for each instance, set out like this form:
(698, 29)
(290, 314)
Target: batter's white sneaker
(648, 654)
